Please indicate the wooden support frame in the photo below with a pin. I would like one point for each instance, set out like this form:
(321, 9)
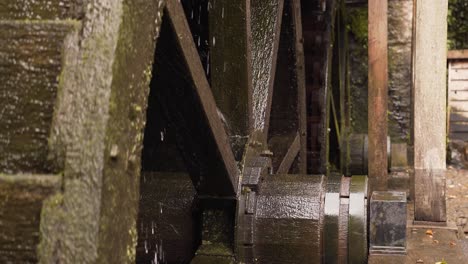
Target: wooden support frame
(203, 91)
(264, 59)
(377, 94)
(429, 108)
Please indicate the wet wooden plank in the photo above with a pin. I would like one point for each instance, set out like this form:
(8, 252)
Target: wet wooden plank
(204, 94)
(30, 63)
(266, 31)
(41, 9)
(231, 74)
(21, 199)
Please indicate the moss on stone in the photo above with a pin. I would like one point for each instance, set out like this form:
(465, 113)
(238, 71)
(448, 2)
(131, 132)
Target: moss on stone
(357, 24)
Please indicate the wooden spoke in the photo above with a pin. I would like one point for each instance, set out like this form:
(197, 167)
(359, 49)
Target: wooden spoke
(265, 41)
(206, 99)
(288, 159)
(301, 85)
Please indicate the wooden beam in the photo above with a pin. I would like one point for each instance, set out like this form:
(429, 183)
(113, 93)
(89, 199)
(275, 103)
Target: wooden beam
(377, 94)
(288, 159)
(301, 87)
(429, 102)
(201, 85)
(265, 42)
(457, 54)
(230, 61)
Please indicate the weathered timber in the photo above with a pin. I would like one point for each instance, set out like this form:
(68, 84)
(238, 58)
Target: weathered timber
(231, 74)
(41, 9)
(97, 131)
(300, 76)
(30, 66)
(291, 154)
(429, 69)
(457, 54)
(167, 221)
(285, 105)
(377, 94)
(227, 183)
(266, 21)
(21, 199)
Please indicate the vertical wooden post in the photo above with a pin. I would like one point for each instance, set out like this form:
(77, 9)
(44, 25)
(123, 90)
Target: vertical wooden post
(429, 67)
(377, 94)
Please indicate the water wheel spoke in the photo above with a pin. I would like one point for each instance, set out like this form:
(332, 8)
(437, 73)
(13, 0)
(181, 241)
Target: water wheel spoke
(203, 92)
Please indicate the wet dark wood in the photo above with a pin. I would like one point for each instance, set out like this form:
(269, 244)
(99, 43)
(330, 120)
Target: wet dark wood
(21, 200)
(300, 76)
(291, 154)
(167, 219)
(41, 9)
(30, 64)
(377, 96)
(285, 109)
(230, 67)
(204, 94)
(266, 31)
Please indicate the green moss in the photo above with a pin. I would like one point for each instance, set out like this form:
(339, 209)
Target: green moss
(357, 24)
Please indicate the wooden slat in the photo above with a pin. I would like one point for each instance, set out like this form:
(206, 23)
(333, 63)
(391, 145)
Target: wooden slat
(459, 127)
(459, 74)
(457, 85)
(458, 117)
(290, 155)
(459, 106)
(460, 136)
(459, 64)
(41, 9)
(458, 95)
(203, 91)
(457, 54)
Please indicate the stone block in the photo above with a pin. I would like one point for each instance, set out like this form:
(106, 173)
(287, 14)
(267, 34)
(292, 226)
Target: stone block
(388, 223)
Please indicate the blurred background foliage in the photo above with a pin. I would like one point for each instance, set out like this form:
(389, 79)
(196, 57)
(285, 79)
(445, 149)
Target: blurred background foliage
(458, 24)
